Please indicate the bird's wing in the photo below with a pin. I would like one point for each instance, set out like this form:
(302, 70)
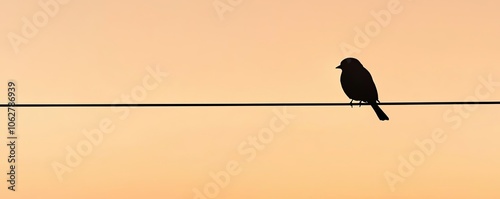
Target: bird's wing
(368, 85)
(358, 85)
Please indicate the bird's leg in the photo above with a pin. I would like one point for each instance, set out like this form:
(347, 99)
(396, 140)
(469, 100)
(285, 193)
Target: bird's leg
(360, 103)
(350, 103)
(378, 101)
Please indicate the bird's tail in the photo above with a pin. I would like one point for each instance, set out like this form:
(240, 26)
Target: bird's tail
(381, 115)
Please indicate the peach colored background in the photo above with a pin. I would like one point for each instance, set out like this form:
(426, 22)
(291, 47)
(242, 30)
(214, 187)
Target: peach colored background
(263, 51)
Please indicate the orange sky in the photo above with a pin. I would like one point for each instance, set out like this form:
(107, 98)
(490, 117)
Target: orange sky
(63, 51)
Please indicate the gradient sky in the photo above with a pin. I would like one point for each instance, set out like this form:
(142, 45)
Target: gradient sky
(258, 51)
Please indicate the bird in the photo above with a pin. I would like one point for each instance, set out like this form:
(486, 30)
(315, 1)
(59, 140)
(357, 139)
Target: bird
(358, 85)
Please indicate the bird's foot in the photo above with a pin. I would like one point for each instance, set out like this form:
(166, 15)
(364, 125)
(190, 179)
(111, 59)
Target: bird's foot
(350, 103)
(378, 101)
(360, 103)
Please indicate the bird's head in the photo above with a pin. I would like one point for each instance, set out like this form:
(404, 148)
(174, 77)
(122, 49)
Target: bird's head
(349, 62)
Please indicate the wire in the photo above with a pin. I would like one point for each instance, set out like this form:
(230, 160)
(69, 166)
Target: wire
(251, 104)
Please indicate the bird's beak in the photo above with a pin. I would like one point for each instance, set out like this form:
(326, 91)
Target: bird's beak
(338, 67)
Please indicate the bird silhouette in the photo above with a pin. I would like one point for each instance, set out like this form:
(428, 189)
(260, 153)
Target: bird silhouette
(358, 85)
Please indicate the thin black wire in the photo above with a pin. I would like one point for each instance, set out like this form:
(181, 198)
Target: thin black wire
(249, 104)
